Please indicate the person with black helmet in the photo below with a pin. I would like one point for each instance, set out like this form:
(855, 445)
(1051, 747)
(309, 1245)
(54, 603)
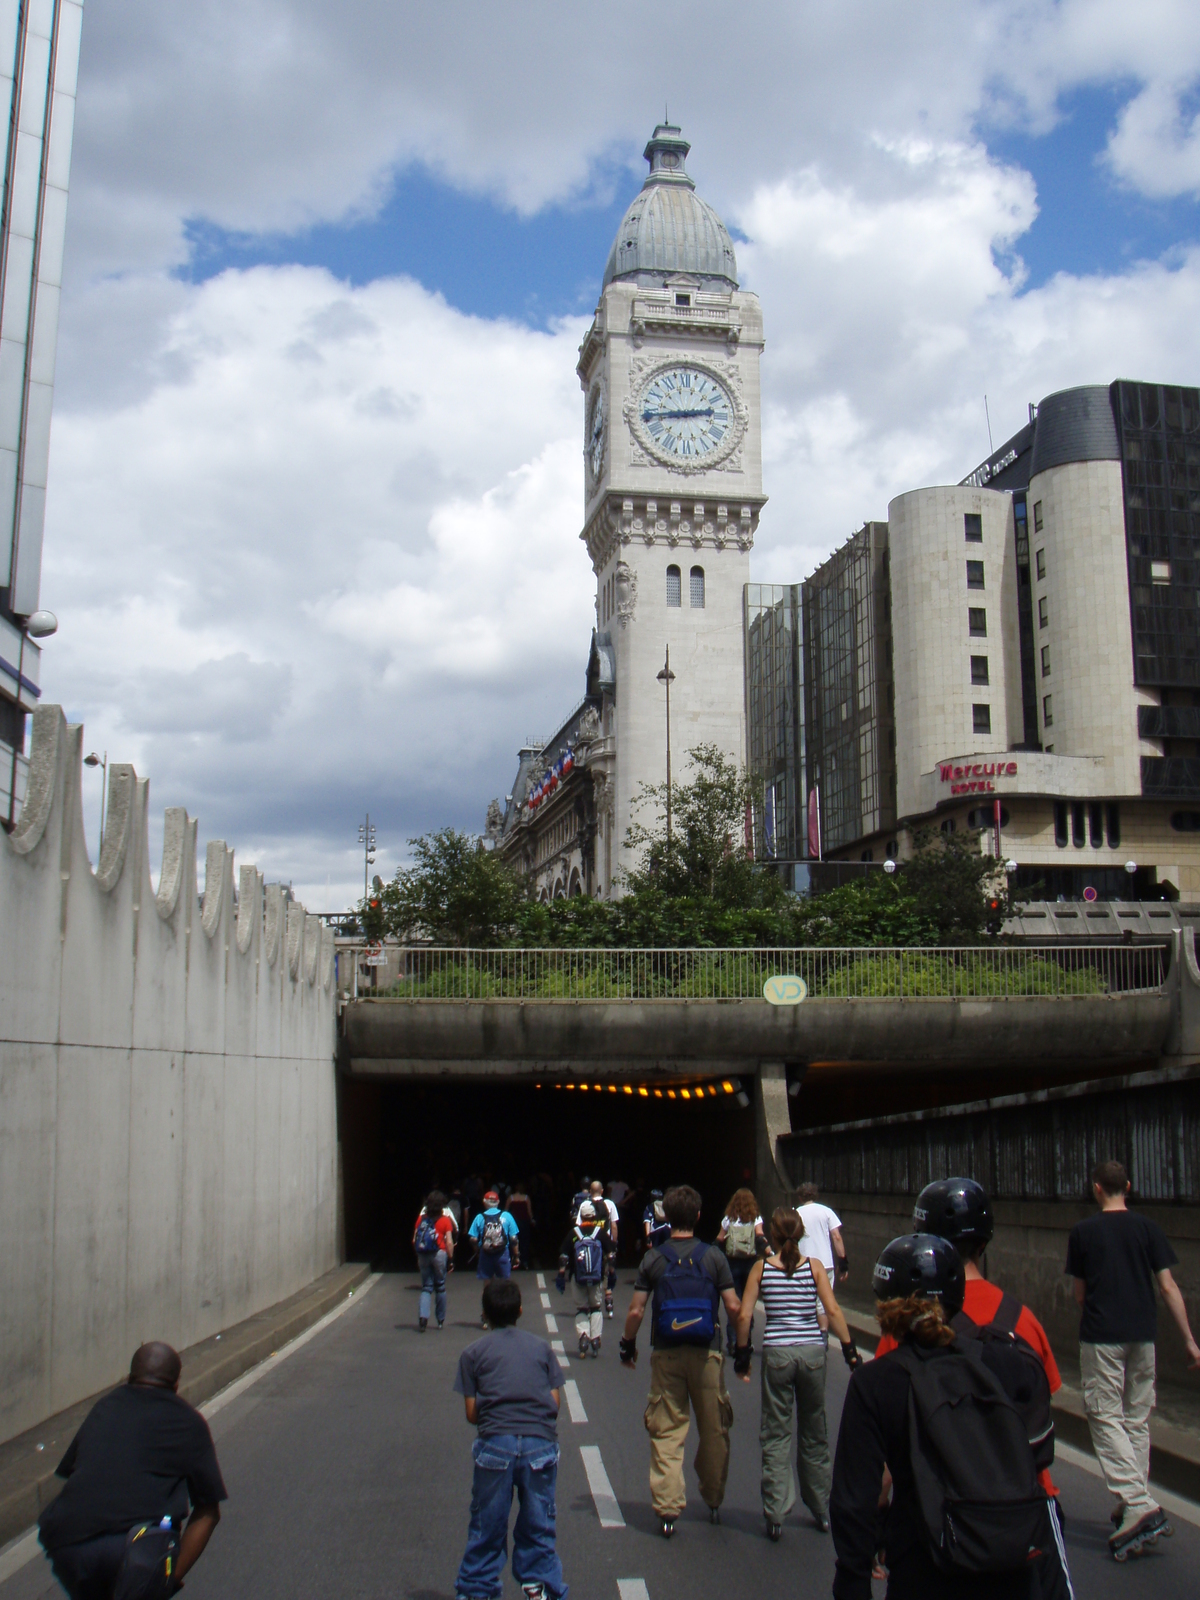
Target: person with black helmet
(958, 1209)
(966, 1512)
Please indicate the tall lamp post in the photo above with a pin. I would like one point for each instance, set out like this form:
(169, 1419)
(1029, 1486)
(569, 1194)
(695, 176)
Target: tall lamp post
(366, 838)
(667, 677)
(102, 762)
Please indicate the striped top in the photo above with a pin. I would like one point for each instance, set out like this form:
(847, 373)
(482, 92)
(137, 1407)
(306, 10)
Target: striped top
(791, 1305)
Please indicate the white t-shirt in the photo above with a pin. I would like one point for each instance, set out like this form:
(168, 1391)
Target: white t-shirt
(818, 1220)
(613, 1216)
(619, 1191)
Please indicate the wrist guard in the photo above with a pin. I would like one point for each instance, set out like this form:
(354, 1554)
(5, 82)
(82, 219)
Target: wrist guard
(628, 1349)
(841, 1264)
(741, 1359)
(851, 1356)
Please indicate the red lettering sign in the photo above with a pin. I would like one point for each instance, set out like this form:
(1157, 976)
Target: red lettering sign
(980, 770)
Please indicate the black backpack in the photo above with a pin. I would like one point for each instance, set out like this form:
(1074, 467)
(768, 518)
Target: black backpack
(973, 1469)
(148, 1565)
(1019, 1368)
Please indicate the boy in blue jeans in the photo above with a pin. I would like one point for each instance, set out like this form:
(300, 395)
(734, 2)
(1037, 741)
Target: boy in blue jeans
(510, 1383)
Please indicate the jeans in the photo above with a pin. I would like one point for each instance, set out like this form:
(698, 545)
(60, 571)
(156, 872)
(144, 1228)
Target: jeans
(681, 1374)
(794, 1375)
(1118, 1396)
(433, 1283)
(88, 1571)
(499, 1266)
(504, 1462)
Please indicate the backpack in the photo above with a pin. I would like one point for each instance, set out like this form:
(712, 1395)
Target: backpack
(686, 1301)
(740, 1243)
(1017, 1365)
(148, 1562)
(493, 1241)
(589, 1258)
(426, 1241)
(976, 1484)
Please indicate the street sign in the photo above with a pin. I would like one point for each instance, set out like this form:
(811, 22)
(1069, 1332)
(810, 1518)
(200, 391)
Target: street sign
(1089, 894)
(784, 990)
(376, 956)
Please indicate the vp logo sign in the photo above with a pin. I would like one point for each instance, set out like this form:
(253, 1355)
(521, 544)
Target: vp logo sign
(784, 990)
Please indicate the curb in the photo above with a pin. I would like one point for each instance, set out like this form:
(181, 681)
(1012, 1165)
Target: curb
(27, 1462)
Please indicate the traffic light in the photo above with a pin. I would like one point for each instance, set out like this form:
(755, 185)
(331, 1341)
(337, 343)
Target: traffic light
(995, 914)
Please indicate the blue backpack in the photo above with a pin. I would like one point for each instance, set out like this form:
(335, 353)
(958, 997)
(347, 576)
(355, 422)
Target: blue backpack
(426, 1241)
(589, 1258)
(686, 1301)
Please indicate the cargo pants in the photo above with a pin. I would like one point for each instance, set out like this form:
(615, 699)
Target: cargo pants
(685, 1375)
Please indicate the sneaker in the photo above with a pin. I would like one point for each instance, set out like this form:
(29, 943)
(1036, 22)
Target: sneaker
(441, 1324)
(822, 1522)
(422, 1324)
(1131, 1538)
(595, 1347)
(714, 1514)
(774, 1531)
(534, 1591)
(668, 1527)
(585, 1344)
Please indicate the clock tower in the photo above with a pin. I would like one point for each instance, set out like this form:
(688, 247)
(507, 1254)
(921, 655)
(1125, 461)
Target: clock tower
(673, 490)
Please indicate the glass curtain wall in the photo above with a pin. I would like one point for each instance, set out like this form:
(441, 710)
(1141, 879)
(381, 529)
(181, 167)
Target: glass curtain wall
(774, 719)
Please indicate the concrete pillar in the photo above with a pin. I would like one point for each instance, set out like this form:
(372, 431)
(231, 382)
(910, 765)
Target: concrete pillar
(772, 1118)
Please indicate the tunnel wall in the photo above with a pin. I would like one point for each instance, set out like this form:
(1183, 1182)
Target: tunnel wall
(168, 1141)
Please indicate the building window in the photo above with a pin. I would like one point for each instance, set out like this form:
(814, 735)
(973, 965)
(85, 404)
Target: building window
(1060, 824)
(1043, 612)
(1047, 711)
(973, 527)
(1040, 558)
(696, 588)
(977, 622)
(1037, 516)
(1045, 661)
(867, 855)
(683, 299)
(982, 718)
(1114, 826)
(974, 574)
(985, 817)
(1160, 572)
(1078, 838)
(949, 826)
(1096, 824)
(674, 587)
(979, 669)
(1186, 821)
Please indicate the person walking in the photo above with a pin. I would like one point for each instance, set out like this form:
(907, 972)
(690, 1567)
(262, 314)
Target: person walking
(794, 1357)
(141, 1456)
(606, 1211)
(822, 1233)
(741, 1237)
(520, 1208)
(495, 1236)
(655, 1226)
(585, 1255)
(688, 1281)
(433, 1241)
(1116, 1257)
(511, 1383)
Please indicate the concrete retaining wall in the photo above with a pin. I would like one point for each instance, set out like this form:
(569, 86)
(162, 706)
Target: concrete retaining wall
(168, 1146)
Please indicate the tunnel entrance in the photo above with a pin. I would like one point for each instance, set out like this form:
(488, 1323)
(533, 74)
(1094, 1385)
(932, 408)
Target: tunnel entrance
(399, 1139)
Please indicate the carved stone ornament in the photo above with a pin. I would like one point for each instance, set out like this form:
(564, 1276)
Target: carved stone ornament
(495, 819)
(626, 593)
(728, 454)
(602, 794)
(589, 727)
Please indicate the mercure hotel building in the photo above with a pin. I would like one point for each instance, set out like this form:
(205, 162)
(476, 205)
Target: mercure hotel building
(1021, 646)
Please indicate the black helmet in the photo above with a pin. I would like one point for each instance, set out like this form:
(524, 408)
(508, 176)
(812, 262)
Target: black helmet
(656, 1194)
(956, 1208)
(924, 1265)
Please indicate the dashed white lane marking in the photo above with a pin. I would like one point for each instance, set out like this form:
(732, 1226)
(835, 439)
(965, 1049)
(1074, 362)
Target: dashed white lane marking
(564, 1359)
(607, 1508)
(551, 1323)
(574, 1401)
(546, 1301)
(541, 1280)
(632, 1589)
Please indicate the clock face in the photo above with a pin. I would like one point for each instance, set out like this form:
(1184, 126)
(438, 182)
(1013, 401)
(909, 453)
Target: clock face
(687, 413)
(596, 434)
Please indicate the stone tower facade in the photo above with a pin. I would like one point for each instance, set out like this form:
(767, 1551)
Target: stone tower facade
(672, 488)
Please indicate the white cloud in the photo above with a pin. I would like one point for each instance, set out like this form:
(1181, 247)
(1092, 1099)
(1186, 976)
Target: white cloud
(1155, 146)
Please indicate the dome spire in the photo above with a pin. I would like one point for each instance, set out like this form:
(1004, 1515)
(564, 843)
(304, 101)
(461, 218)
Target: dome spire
(666, 151)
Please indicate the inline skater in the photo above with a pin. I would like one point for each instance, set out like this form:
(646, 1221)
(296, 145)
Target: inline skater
(584, 1255)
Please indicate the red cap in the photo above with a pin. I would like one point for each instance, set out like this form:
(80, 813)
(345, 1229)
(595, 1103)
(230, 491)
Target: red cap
(491, 1195)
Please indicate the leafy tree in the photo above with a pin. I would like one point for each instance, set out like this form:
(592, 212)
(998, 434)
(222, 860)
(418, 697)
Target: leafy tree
(455, 892)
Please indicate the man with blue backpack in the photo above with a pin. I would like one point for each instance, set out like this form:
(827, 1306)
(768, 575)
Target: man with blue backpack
(585, 1256)
(685, 1281)
(496, 1237)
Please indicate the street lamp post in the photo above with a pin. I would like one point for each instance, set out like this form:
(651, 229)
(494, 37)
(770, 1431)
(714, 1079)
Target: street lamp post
(102, 762)
(366, 838)
(667, 677)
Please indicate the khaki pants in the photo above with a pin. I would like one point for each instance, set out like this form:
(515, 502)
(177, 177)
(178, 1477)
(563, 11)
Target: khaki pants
(589, 1310)
(1118, 1396)
(794, 1375)
(678, 1376)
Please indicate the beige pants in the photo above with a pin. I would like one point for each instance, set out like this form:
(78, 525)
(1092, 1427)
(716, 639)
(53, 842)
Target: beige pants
(589, 1310)
(1118, 1396)
(677, 1377)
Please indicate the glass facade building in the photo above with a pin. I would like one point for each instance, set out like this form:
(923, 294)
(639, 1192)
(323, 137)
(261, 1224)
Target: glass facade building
(775, 718)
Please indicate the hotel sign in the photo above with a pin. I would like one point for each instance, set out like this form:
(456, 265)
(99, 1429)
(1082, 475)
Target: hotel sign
(975, 778)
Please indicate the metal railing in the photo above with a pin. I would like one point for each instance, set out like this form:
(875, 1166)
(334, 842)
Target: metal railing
(1000, 973)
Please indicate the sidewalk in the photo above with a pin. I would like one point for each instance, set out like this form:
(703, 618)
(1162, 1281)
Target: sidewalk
(1174, 1426)
(27, 1463)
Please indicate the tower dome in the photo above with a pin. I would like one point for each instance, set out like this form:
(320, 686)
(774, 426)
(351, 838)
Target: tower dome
(668, 228)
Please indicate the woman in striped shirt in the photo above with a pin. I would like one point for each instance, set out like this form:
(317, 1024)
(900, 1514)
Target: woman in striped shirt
(791, 1287)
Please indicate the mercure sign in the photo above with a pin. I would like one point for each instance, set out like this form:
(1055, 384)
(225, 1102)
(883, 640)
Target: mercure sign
(978, 778)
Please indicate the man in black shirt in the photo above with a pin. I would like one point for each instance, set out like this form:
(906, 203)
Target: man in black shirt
(1115, 1258)
(141, 1455)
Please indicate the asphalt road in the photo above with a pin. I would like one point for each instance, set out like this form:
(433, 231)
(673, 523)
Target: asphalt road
(349, 1474)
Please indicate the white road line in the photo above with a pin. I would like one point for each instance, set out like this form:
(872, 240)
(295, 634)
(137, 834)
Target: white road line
(574, 1401)
(607, 1508)
(551, 1324)
(546, 1301)
(557, 1346)
(632, 1589)
(21, 1550)
(541, 1280)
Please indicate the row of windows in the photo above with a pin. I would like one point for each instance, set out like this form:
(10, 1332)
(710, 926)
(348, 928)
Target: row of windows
(1087, 819)
(695, 587)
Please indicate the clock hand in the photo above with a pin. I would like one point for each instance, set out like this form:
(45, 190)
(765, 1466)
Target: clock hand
(659, 416)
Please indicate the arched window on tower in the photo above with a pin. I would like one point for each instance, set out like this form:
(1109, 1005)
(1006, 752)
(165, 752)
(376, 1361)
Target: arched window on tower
(697, 588)
(674, 587)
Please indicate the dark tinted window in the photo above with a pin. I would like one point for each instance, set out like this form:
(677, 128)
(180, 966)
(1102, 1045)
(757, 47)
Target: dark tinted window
(979, 669)
(974, 574)
(982, 718)
(977, 622)
(973, 527)
(1060, 824)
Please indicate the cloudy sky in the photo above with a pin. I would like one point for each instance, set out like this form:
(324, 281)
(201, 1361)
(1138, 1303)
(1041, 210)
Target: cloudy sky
(316, 477)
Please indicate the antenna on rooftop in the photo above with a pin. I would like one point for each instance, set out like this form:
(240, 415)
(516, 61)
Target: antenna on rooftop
(987, 414)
